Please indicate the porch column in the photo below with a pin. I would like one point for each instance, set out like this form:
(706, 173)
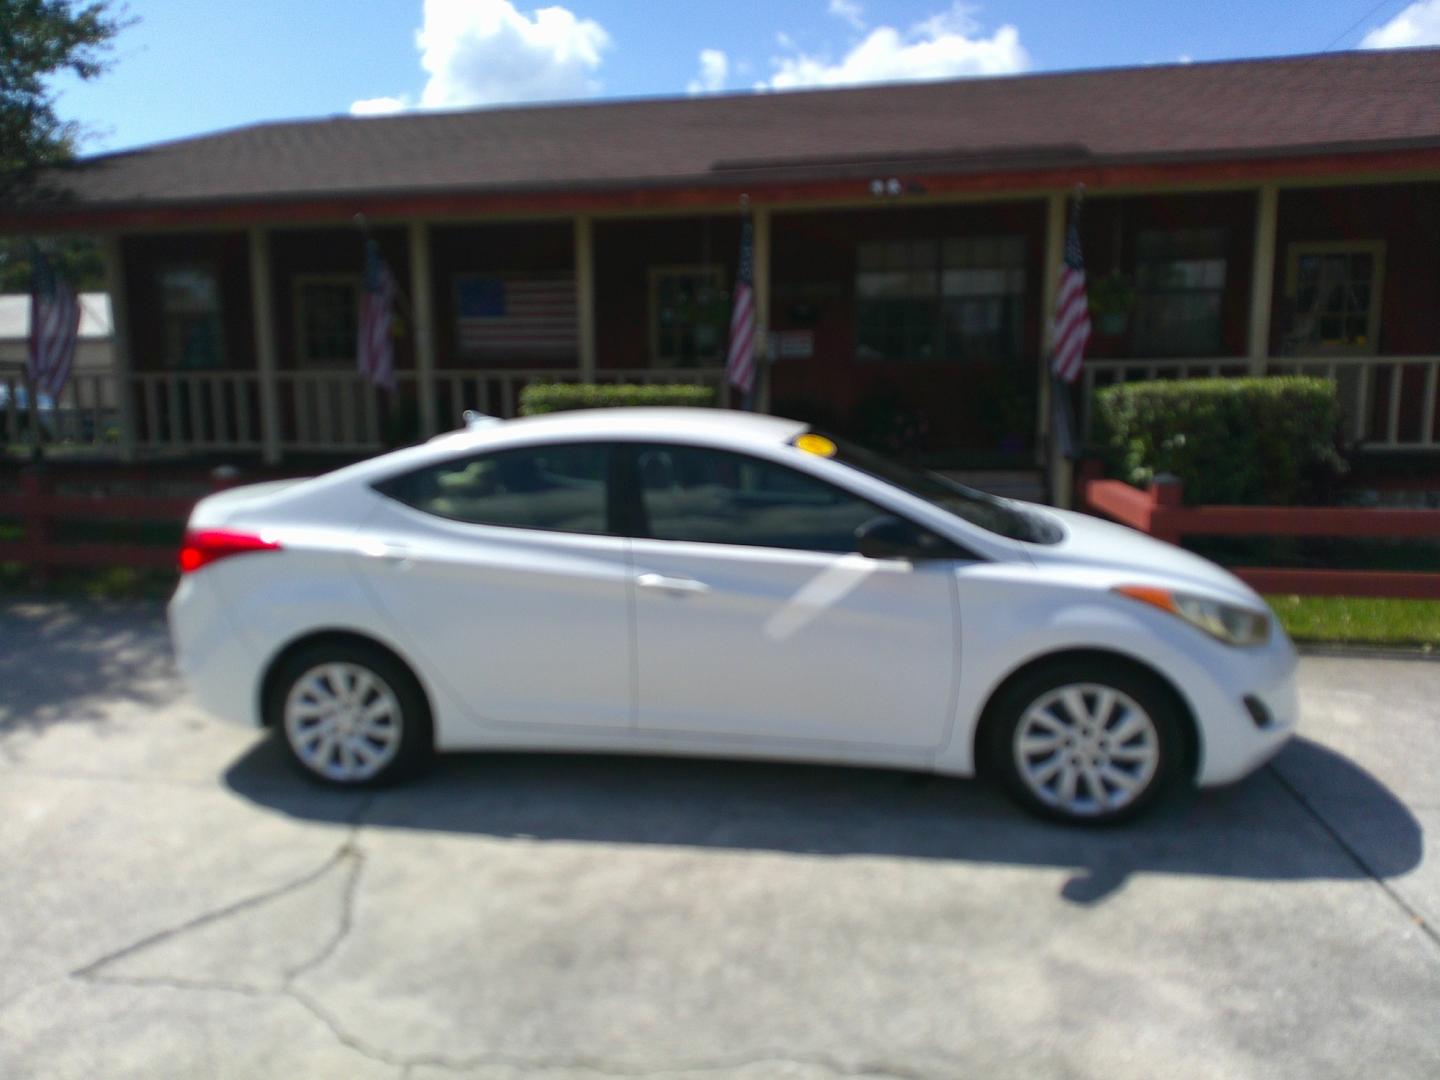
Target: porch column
(585, 294)
(1262, 277)
(121, 360)
(422, 304)
(760, 272)
(262, 302)
(1047, 453)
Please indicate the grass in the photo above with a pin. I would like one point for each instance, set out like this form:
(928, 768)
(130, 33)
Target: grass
(112, 583)
(1346, 620)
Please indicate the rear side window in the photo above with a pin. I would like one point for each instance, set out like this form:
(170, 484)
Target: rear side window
(557, 488)
(716, 497)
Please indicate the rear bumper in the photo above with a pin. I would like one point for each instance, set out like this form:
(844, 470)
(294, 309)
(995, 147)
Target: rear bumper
(217, 664)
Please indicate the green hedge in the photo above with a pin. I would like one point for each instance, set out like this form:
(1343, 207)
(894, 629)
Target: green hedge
(1255, 441)
(540, 398)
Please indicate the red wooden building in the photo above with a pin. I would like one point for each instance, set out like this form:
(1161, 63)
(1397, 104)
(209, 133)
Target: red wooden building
(1260, 216)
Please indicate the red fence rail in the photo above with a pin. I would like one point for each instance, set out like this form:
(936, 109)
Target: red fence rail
(43, 500)
(1158, 511)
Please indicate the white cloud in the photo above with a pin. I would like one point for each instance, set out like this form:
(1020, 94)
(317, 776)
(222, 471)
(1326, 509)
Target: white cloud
(714, 66)
(849, 11)
(943, 46)
(1418, 24)
(485, 52)
(379, 106)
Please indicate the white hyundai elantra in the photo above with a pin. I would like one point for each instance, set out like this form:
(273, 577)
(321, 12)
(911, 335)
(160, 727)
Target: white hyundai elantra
(704, 582)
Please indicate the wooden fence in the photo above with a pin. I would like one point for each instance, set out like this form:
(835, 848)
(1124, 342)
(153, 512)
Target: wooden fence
(1159, 512)
(44, 500)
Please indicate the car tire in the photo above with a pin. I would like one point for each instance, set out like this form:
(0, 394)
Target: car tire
(1085, 742)
(349, 715)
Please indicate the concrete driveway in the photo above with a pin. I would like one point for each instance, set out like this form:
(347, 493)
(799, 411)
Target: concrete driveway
(175, 903)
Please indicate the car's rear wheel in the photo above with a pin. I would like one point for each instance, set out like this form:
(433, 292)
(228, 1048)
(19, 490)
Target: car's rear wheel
(349, 714)
(1086, 742)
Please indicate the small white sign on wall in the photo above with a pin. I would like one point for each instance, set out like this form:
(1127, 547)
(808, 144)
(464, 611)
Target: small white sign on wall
(790, 345)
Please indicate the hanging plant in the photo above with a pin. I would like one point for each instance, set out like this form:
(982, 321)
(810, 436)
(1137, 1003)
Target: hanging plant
(1111, 299)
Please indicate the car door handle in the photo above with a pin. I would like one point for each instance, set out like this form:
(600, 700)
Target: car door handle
(671, 584)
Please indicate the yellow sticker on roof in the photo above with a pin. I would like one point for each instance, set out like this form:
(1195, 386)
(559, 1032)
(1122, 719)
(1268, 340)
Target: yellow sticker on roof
(815, 444)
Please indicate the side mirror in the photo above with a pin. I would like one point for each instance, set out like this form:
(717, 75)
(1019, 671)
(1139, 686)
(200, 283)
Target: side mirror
(888, 537)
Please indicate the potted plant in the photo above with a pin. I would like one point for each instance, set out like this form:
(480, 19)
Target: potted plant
(1111, 299)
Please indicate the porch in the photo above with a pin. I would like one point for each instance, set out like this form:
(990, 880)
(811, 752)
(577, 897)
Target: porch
(913, 322)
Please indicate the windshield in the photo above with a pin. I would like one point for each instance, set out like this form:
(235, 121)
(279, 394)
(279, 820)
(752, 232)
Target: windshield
(988, 512)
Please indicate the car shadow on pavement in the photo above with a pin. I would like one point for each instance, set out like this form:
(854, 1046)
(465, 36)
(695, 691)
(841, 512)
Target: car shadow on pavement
(1287, 822)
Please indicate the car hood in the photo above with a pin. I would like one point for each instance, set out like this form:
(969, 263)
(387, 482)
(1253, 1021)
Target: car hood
(1093, 543)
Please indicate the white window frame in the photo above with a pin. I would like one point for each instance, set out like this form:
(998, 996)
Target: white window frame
(1376, 250)
(207, 266)
(302, 359)
(716, 273)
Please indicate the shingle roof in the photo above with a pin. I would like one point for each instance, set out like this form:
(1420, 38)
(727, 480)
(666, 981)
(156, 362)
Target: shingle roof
(1338, 102)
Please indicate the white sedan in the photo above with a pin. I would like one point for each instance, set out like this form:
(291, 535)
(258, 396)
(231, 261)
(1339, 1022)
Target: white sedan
(670, 581)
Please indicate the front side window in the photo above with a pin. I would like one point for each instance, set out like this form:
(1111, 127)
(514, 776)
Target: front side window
(690, 312)
(1335, 290)
(985, 511)
(327, 320)
(1180, 292)
(192, 334)
(555, 488)
(716, 497)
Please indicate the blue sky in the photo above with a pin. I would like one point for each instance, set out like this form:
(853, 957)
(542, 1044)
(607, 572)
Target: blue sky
(190, 66)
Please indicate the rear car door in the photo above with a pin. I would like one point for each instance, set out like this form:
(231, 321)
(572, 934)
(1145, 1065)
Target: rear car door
(756, 617)
(504, 572)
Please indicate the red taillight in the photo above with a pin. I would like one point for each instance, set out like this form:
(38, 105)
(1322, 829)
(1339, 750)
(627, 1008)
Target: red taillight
(201, 547)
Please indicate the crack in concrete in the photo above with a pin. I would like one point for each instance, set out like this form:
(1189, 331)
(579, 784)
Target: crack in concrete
(92, 970)
(1358, 859)
(592, 1064)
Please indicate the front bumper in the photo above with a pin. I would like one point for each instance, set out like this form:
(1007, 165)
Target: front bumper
(1234, 742)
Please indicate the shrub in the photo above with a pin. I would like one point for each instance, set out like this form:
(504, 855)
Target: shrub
(1257, 441)
(540, 398)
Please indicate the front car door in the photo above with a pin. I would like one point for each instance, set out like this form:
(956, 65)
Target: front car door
(504, 571)
(756, 618)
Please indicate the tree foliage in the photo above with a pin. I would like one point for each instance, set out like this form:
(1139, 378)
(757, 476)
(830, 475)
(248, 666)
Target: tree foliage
(40, 39)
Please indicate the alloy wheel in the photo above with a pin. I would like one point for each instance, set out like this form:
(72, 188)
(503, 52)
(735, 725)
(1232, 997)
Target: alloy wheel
(1086, 749)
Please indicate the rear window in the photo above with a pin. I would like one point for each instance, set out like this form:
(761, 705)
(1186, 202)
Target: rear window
(556, 488)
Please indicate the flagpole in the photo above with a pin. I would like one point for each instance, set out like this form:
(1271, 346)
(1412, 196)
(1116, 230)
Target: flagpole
(1061, 443)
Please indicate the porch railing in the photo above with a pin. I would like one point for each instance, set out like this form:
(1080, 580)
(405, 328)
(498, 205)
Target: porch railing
(208, 410)
(316, 411)
(1388, 402)
(87, 411)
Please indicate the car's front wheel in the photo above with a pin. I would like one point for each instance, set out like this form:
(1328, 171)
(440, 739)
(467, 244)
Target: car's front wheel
(349, 714)
(1086, 742)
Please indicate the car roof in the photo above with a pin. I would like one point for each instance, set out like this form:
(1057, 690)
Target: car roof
(633, 424)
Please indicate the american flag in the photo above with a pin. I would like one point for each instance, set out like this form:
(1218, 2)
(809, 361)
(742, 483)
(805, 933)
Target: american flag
(1072, 310)
(518, 315)
(54, 328)
(376, 347)
(740, 361)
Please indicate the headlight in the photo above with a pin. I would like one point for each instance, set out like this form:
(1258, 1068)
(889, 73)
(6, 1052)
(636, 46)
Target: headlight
(1232, 625)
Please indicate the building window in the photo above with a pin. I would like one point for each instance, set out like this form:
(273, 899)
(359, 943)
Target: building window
(1180, 293)
(327, 320)
(192, 334)
(1334, 290)
(956, 299)
(690, 312)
